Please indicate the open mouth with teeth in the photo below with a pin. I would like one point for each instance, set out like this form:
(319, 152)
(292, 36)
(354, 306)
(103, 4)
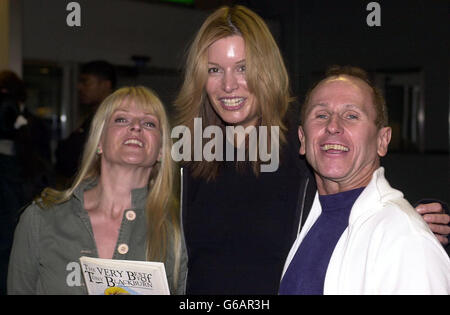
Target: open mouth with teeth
(334, 148)
(134, 142)
(232, 103)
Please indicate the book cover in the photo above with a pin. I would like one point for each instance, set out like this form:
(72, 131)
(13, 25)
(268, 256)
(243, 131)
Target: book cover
(122, 277)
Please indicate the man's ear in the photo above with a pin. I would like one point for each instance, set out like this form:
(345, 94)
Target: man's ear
(384, 137)
(301, 137)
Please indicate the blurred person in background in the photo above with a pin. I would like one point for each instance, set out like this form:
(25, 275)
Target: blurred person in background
(31, 139)
(97, 80)
(11, 182)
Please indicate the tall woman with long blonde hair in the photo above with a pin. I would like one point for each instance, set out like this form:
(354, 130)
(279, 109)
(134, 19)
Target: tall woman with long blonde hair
(121, 204)
(239, 222)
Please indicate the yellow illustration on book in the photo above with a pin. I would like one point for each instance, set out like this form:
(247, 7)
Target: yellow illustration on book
(116, 291)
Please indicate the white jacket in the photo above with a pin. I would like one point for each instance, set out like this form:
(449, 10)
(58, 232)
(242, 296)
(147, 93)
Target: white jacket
(387, 248)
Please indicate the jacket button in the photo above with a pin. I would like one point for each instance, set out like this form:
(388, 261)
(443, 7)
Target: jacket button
(130, 215)
(122, 249)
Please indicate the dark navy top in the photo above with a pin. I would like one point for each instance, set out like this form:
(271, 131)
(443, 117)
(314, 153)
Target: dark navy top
(306, 272)
(240, 227)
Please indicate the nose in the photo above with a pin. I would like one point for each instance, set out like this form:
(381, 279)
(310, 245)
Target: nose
(230, 82)
(135, 125)
(334, 125)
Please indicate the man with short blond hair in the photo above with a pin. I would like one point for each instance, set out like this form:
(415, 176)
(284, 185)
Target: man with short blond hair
(361, 236)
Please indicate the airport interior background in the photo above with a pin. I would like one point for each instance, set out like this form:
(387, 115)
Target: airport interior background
(407, 54)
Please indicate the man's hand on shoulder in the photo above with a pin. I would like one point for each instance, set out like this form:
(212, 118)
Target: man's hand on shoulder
(438, 221)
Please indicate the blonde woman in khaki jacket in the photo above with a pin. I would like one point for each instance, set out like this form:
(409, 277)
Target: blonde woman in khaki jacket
(121, 204)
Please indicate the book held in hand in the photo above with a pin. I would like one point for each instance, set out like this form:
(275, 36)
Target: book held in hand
(118, 277)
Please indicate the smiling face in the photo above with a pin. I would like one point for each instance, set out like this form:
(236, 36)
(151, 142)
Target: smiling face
(227, 85)
(339, 135)
(132, 137)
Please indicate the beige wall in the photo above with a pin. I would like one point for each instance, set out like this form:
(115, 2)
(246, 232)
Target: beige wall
(4, 34)
(11, 35)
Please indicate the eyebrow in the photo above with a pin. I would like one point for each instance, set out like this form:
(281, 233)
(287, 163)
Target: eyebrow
(127, 111)
(326, 104)
(347, 106)
(216, 64)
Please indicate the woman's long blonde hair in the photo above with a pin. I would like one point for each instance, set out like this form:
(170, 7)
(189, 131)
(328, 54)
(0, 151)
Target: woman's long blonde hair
(266, 75)
(161, 205)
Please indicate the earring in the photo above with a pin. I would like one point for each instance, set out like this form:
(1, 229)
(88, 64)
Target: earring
(99, 150)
